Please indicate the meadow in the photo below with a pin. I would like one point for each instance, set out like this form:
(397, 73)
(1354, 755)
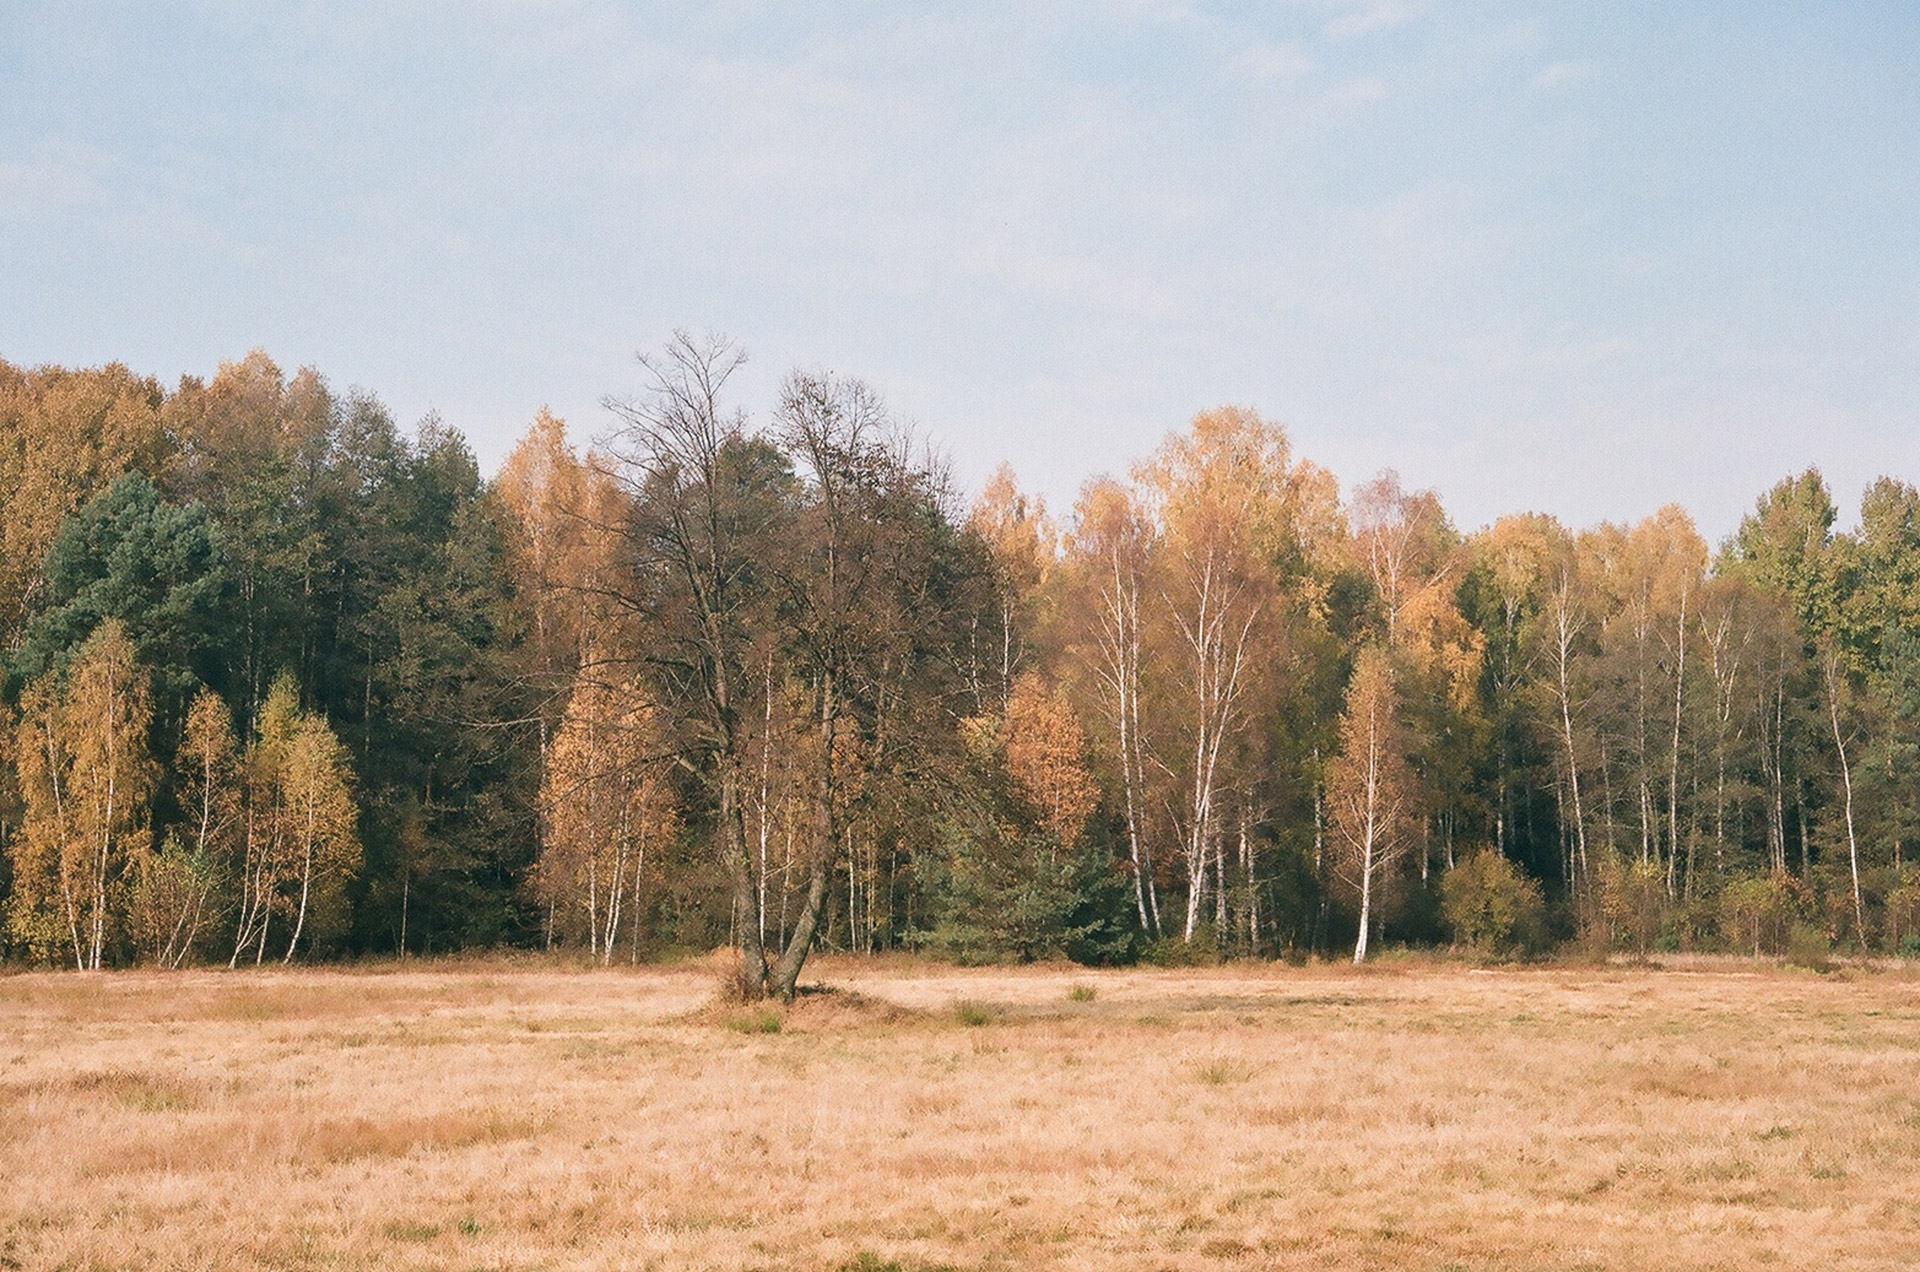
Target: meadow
(1707, 1114)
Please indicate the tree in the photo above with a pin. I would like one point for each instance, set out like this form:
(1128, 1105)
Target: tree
(315, 791)
(1369, 786)
(154, 567)
(1235, 514)
(300, 844)
(87, 777)
(64, 436)
(605, 801)
(1023, 544)
(1008, 878)
(709, 505)
(875, 589)
(1110, 547)
(176, 892)
(264, 861)
(1045, 751)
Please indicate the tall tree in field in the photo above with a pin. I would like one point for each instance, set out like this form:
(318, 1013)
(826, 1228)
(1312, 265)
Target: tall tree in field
(87, 778)
(710, 504)
(873, 592)
(1369, 786)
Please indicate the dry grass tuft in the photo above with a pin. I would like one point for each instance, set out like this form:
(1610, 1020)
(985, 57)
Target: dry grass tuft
(513, 1115)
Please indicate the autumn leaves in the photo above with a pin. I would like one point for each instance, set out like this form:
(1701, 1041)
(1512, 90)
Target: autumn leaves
(268, 830)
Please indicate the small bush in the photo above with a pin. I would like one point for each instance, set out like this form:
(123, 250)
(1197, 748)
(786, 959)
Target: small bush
(1808, 947)
(973, 1015)
(1491, 907)
(1225, 1072)
(1080, 994)
(1759, 913)
(1633, 903)
(1172, 951)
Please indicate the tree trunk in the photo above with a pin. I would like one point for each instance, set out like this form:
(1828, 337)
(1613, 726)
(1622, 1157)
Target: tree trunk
(1846, 778)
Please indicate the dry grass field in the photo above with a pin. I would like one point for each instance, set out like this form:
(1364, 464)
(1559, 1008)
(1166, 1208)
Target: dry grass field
(1412, 1116)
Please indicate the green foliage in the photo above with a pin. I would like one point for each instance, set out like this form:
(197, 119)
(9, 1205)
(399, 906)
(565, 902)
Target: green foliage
(258, 524)
(1808, 947)
(1491, 907)
(973, 1015)
(1761, 912)
(999, 895)
(155, 567)
(1633, 904)
(765, 1020)
(1173, 951)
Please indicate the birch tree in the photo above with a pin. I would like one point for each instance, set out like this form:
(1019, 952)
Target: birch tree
(1225, 495)
(264, 848)
(1369, 787)
(319, 818)
(605, 803)
(1110, 547)
(87, 779)
(176, 894)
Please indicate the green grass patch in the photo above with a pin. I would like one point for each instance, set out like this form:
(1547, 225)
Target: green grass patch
(763, 1020)
(973, 1015)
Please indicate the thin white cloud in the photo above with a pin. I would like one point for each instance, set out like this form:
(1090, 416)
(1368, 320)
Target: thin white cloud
(1370, 18)
(1559, 73)
(1268, 60)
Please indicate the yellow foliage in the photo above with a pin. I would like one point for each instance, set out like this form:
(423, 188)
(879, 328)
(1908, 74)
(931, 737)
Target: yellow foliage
(1046, 758)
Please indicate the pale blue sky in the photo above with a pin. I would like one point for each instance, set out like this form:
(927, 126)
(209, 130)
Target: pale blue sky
(1586, 258)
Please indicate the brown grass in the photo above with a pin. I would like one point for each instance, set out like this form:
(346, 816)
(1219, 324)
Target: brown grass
(497, 1117)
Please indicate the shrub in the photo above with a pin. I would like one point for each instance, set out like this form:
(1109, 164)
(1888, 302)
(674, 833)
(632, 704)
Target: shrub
(1759, 912)
(1903, 909)
(1808, 947)
(973, 1015)
(1492, 908)
(1173, 951)
(1633, 902)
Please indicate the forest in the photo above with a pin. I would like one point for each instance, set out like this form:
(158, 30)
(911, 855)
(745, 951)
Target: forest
(281, 681)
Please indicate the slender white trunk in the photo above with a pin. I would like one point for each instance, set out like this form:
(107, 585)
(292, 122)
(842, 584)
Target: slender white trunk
(1369, 835)
(1564, 632)
(1846, 778)
(1673, 760)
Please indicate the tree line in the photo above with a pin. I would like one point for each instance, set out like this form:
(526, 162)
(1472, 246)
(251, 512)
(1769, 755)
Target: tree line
(281, 679)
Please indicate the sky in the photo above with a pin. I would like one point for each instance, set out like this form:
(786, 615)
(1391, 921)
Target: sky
(1579, 258)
